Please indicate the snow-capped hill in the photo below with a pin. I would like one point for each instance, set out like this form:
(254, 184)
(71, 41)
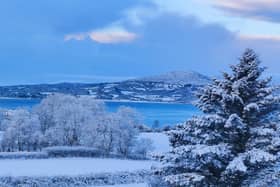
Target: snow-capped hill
(175, 87)
(179, 77)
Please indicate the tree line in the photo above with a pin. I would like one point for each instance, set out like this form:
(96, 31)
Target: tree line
(64, 120)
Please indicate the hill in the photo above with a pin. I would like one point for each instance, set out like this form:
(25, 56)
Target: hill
(178, 87)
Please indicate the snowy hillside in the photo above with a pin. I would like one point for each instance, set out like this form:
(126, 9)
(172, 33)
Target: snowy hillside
(179, 77)
(175, 87)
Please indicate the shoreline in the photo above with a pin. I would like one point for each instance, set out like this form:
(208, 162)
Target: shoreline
(148, 102)
(105, 100)
(20, 98)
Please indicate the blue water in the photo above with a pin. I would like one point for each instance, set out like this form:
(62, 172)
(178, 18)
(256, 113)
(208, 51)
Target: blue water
(166, 114)
(18, 103)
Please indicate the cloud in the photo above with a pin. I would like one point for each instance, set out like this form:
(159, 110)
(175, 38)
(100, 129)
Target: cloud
(139, 15)
(168, 35)
(172, 42)
(110, 35)
(273, 38)
(247, 4)
(78, 37)
(268, 10)
(248, 17)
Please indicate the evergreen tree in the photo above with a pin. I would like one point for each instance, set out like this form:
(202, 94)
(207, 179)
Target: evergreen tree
(236, 137)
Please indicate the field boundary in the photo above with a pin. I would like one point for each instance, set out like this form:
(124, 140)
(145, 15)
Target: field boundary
(140, 176)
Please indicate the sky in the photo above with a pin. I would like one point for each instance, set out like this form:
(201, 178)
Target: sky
(95, 41)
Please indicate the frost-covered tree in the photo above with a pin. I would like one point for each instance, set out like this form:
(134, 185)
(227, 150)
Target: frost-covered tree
(101, 134)
(22, 133)
(142, 147)
(236, 137)
(113, 132)
(65, 120)
(50, 108)
(63, 117)
(126, 129)
(3, 115)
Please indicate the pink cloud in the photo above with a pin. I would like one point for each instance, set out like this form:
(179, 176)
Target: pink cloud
(110, 35)
(275, 38)
(247, 4)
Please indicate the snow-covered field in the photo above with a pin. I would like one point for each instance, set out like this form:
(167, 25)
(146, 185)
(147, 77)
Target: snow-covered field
(69, 166)
(81, 166)
(74, 167)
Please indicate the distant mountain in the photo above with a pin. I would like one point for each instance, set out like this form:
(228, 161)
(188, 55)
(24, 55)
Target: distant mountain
(177, 87)
(179, 77)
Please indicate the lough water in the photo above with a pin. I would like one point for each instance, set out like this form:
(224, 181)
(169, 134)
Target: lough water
(165, 113)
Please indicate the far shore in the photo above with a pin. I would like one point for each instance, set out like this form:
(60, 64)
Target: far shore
(105, 100)
(19, 98)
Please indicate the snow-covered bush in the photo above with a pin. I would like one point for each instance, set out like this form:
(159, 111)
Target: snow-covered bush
(237, 138)
(156, 181)
(23, 155)
(76, 181)
(66, 151)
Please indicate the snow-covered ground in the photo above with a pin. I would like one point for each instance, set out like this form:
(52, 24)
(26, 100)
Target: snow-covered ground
(69, 166)
(81, 166)
(74, 167)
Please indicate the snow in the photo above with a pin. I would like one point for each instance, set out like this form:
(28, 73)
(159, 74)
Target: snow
(263, 131)
(234, 121)
(167, 99)
(186, 179)
(252, 106)
(220, 149)
(69, 166)
(258, 156)
(127, 185)
(237, 164)
(127, 92)
(179, 77)
(160, 141)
